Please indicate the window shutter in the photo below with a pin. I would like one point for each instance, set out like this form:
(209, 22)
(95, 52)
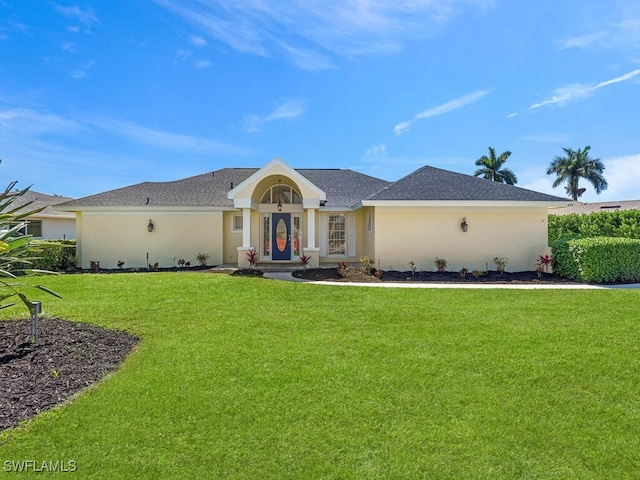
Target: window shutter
(322, 234)
(351, 234)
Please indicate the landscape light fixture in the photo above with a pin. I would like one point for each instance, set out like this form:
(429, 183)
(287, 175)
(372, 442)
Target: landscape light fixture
(464, 225)
(150, 226)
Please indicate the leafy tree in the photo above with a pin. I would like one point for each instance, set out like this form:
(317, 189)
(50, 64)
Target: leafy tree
(575, 165)
(492, 168)
(16, 249)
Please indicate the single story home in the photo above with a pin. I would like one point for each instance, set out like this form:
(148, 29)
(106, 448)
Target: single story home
(330, 215)
(593, 207)
(49, 223)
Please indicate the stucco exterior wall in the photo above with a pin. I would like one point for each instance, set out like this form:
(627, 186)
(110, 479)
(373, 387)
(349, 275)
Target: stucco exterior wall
(232, 239)
(57, 228)
(422, 234)
(368, 237)
(109, 237)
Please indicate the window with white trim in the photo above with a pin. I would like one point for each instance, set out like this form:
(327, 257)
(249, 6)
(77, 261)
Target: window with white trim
(337, 236)
(33, 228)
(369, 221)
(237, 223)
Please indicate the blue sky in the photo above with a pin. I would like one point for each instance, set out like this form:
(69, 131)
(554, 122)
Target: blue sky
(103, 94)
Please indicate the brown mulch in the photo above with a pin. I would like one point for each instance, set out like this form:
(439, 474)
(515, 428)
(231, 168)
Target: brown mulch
(66, 358)
(357, 275)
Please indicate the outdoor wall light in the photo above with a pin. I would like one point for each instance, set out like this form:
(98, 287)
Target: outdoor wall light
(150, 226)
(279, 195)
(464, 225)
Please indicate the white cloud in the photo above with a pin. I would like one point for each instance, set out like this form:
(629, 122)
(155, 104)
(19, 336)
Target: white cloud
(70, 47)
(182, 55)
(87, 17)
(623, 36)
(26, 123)
(83, 70)
(571, 93)
(376, 150)
(198, 41)
(511, 115)
(287, 111)
(622, 175)
(345, 28)
(165, 140)
(584, 40)
(442, 109)
(547, 138)
(200, 64)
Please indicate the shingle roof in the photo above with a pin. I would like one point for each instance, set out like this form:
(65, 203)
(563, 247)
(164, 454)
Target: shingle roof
(209, 189)
(429, 183)
(40, 200)
(585, 208)
(343, 188)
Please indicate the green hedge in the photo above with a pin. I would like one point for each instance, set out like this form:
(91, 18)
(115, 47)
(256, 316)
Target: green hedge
(619, 223)
(55, 255)
(597, 259)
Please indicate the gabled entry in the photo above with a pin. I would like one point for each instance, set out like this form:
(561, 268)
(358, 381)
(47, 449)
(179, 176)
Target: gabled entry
(281, 236)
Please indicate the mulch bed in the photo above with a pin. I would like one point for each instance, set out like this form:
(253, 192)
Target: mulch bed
(67, 358)
(357, 275)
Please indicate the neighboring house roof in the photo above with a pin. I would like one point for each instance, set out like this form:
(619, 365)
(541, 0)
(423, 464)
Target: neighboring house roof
(585, 208)
(41, 200)
(429, 183)
(343, 188)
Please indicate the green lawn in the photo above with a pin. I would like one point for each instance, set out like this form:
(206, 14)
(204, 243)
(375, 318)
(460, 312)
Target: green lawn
(253, 378)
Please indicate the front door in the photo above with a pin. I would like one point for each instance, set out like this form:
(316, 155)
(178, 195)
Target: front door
(281, 236)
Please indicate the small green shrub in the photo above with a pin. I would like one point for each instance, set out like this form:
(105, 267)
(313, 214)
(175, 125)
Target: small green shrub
(202, 258)
(597, 259)
(501, 264)
(441, 264)
(477, 273)
(366, 264)
(54, 255)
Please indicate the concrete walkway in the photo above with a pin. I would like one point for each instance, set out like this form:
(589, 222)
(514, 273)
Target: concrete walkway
(288, 277)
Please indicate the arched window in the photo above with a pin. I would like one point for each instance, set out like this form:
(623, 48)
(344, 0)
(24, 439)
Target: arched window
(281, 194)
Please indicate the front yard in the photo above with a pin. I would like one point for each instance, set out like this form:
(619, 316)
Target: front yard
(253, 378)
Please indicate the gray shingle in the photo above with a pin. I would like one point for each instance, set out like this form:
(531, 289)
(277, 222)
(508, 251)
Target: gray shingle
(344, 188)
(429, 183)
(40, 200)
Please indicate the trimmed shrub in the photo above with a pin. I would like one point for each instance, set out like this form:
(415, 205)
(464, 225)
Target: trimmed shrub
(55, 255)
(597, 259)
(619, 223)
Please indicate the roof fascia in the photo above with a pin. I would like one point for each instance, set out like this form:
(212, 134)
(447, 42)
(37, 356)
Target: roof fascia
(145, 208)
(463, 203)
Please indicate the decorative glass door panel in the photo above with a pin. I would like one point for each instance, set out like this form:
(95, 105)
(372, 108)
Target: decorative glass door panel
(281, 236)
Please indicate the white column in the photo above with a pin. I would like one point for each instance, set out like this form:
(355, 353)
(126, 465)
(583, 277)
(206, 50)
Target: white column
(311, 228)
(246, 227)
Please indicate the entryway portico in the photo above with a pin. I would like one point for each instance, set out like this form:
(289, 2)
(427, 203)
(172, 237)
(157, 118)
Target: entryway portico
(279, 209)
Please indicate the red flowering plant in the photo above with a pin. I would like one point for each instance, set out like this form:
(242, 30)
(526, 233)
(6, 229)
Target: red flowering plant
(305, 261)
(542, 264)
(252, 256)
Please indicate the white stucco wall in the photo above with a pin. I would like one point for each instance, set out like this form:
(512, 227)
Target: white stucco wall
(58, 228)
(421, 234)
(110, 237)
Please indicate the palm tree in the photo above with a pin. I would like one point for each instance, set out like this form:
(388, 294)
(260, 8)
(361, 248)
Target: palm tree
(576, 165)
(492, 168)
